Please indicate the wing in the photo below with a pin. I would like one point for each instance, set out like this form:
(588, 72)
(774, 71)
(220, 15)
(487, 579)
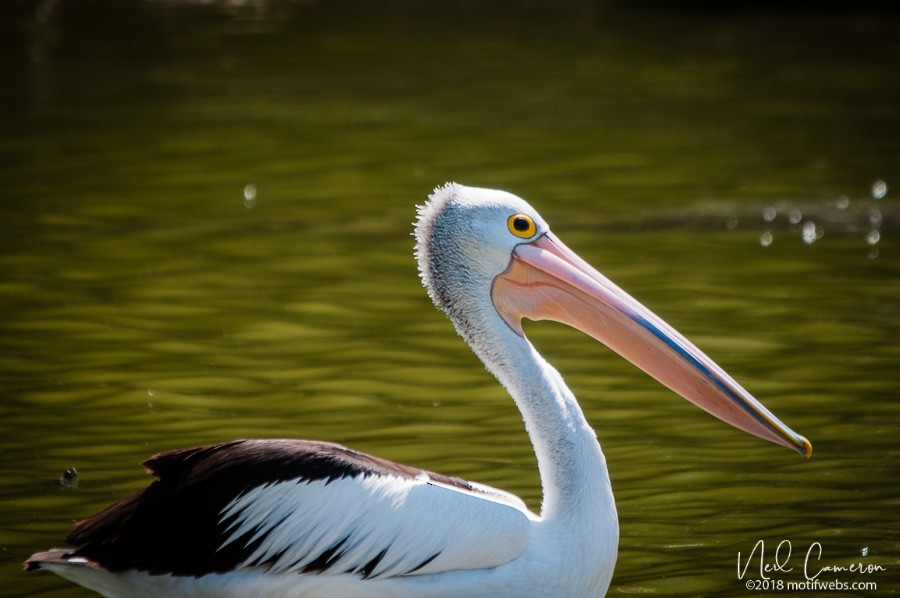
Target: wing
(301, 506)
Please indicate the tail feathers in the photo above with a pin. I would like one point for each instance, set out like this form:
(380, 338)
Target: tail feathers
(58, 556)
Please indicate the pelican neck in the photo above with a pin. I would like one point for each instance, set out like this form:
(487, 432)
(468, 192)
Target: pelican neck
(572, 467)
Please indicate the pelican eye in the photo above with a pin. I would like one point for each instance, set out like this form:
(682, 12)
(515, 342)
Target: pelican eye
(521, 225)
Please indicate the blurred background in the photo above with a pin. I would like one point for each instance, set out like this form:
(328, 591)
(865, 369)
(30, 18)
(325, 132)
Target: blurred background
(205, 234)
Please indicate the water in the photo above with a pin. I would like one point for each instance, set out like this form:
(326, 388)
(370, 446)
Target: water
(204, 235)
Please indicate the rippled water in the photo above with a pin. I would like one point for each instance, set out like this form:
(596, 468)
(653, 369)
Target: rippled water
(205, 229)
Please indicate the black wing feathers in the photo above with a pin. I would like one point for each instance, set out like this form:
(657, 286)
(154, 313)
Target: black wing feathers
(174, 525)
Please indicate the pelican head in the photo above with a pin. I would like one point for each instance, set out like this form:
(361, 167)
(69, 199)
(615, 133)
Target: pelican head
(487, 256)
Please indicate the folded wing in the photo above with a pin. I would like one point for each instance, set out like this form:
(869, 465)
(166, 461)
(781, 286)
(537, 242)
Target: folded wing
(302, 507)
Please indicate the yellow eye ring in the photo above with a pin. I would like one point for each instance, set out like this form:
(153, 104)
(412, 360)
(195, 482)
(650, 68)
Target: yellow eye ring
(521, 226)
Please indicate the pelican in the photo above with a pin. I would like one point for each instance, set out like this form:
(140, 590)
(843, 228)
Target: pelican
(308, 519)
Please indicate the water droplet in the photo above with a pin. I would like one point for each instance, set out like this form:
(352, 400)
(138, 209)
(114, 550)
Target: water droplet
(873, 237)
(249, 195)
(864, 551)
(809, 232)
(765, 239)
(842, 202)
(875, 217)
(769, 214)
(795, 216)
(879, 189)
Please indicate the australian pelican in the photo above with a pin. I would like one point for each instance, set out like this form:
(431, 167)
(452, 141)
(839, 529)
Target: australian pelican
(297, 518)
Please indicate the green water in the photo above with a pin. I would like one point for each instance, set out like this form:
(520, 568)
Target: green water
(204, 235)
